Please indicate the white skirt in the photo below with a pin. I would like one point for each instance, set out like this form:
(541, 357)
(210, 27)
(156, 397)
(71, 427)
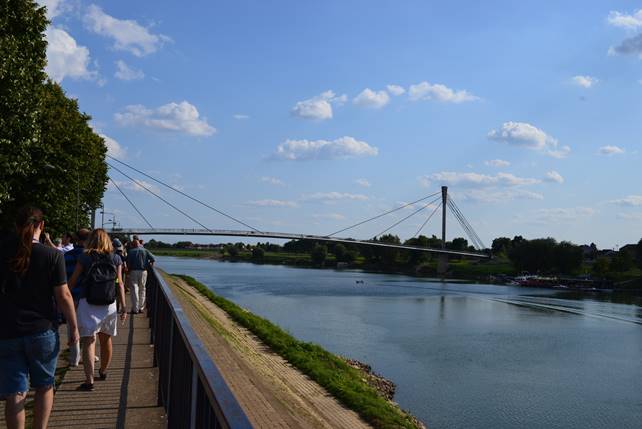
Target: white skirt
(96, 318)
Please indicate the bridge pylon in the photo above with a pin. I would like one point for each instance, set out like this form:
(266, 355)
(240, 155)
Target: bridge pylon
(442, 263)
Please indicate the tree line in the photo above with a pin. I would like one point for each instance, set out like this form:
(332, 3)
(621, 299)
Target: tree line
(49, 154)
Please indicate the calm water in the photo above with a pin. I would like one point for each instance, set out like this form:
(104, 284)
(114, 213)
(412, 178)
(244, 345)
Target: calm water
(462, 355)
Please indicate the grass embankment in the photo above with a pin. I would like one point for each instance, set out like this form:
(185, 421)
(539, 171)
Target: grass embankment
(333, 373)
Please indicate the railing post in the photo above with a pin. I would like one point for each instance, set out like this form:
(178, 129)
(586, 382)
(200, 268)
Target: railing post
(168, 406)
(192, 414)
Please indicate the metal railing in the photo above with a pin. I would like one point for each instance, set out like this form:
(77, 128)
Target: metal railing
(190, 386)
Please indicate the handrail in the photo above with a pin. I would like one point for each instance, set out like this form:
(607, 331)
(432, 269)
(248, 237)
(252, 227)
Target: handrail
(191, 387)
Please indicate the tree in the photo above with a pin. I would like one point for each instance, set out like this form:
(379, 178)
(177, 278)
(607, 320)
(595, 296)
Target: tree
(600, 267)
(501, 245)
(232, 250)
(258, 254)
(621, 262)
(319, 254)
(568, 257)
(638, 254)
(23, 58)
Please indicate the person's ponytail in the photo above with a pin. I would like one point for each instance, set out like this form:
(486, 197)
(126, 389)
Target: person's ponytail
(26, 222)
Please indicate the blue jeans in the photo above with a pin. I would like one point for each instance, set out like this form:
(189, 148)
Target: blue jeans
(30, 358)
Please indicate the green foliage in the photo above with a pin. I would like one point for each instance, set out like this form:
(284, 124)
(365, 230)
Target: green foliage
(330, 371)
(22, 62)
(621, 262)
(232, 250)
(71, 172)
(545, 255)
(258, 254)
(49, 155)
(501, 245)
(319, 254)
(638, 254)
(600, 267)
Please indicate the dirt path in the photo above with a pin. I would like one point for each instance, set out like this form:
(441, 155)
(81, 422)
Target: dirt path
(270, 390)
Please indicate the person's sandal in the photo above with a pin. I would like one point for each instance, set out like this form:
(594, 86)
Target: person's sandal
(102, 375)
(87, 387)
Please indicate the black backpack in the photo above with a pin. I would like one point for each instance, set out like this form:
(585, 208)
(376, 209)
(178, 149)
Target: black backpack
(100, 281)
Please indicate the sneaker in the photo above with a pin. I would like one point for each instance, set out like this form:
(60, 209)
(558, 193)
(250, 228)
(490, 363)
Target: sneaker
(87, 387)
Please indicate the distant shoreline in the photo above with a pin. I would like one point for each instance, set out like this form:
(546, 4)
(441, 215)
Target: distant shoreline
(459, 273)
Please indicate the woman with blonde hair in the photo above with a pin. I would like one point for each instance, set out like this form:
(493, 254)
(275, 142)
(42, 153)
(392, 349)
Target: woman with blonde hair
(99, 273)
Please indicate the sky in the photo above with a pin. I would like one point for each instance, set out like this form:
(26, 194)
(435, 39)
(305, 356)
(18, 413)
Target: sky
(307, 116)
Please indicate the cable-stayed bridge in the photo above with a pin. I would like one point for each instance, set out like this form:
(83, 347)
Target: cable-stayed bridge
(434, 201)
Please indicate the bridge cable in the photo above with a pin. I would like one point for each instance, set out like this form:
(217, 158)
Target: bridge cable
(159, 197)
(426, 221)
(183, 194)
(130, 202)
(467, 229)
(383, 214)
(409, 216)
(479, 240)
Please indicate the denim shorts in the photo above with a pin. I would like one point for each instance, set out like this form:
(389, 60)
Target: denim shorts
(29, 360)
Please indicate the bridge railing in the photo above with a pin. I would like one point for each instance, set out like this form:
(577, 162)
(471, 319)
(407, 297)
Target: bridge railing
(190, 386)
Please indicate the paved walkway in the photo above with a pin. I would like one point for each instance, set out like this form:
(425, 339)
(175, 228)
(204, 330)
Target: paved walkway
(127, 399)
(272, 392)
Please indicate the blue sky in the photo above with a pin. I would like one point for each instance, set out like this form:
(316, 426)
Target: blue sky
(303, 116)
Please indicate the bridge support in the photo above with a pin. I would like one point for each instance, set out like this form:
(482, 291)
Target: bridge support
(442, 262)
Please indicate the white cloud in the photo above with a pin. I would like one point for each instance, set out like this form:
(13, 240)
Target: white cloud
(127, 34)
(124, 72)
(318, 107)
(439, 92)
(334, 196)
(65, 58)
(370, 98)
(629, 201)
(554, 176)
(181, 117)
(623, 20)
(333, 216)
(630, 216)
(54, 7)
(114, 148)
(240, 116)
(494, 195)
(272, 203)
(272, 181)
(136, 187)
(452, 178)
(630, 46)
(499, 163)
(611, 150)
(526, 135)
(362, 182)
(343, 147)
(395, 89)
(557, 215)
(584, 81)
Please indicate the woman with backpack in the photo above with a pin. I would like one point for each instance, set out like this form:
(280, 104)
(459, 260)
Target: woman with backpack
(32, 278)
(101, 286)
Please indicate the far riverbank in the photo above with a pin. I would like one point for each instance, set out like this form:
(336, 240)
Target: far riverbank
(497, 271)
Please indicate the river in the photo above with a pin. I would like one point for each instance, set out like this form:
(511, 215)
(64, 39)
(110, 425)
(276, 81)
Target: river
(461, 355)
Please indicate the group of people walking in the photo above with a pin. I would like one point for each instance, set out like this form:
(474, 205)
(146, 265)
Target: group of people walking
(81, 280)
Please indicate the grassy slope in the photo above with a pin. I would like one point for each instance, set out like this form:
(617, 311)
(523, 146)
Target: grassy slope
(330, 371)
